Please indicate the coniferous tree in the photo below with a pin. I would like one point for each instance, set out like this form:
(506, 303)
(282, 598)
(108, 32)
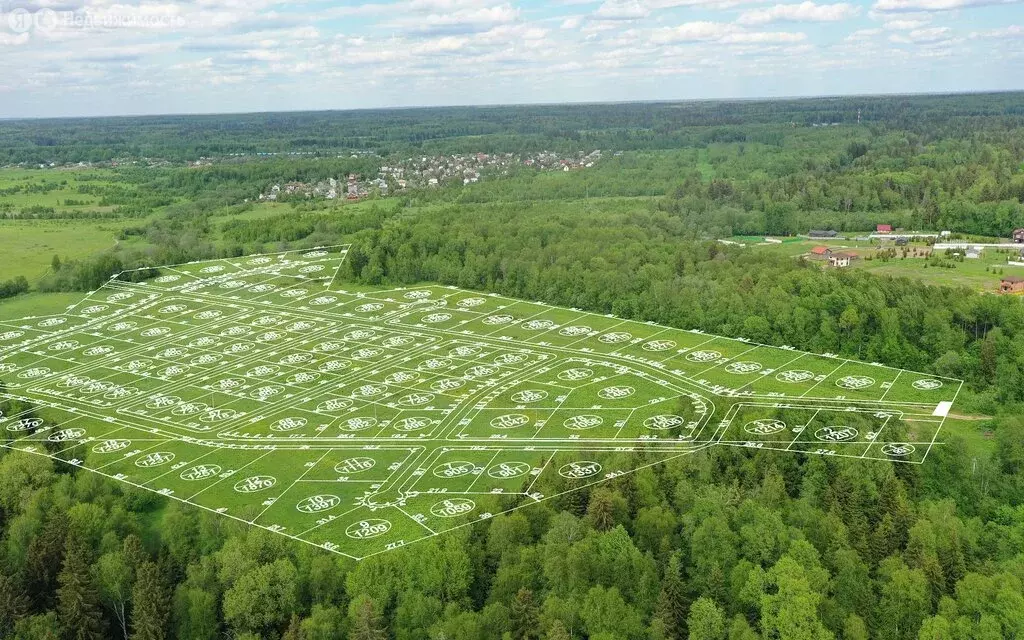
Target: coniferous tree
(558, 632)
(523, 616)
(134, 553)
(294, 630)
(78, 602)
(13, 603)
(672, 601)
(885, 539)
(366, 622)
(44, 560)
(150, 604)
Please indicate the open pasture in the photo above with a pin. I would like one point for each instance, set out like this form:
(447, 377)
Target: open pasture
(363, 420)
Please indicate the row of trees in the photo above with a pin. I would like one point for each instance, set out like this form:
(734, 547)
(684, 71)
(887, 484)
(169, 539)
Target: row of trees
(490, 129)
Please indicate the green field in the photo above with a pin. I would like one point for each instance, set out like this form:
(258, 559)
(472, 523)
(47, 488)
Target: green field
(65, 190)
(37, 304)
(363, 420)
(981, 274)
(29, 245)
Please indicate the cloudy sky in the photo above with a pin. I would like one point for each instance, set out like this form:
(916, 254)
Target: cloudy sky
(95, 57)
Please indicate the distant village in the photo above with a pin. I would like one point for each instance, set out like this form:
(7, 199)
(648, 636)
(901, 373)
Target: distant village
(429, 171)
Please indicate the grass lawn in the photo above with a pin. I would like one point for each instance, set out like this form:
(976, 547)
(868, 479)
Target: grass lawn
(37, 304)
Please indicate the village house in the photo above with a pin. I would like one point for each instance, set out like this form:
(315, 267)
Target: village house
(821, 233)
(820, 253)
(840, 259)
(883, 228)
(1018, 236)
(432, 171)
(1011, 284)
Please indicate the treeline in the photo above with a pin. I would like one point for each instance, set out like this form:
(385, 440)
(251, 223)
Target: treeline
(660, 125)
(49, 213)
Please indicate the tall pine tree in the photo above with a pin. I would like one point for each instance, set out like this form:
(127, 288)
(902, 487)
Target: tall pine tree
(150, 603)
(44, 559)
(524, 616)
(78, 601)
(13, 604)
(672, 601)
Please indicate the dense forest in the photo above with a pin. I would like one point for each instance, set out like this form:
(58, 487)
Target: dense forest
(652, 125)
(725, 544)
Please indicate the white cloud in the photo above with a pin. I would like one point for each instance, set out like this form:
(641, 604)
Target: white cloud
(762, 37)
(931, 35)
(803, 12)
(904, 25)
(863, 34)
(621, 10)
(693, 32)
(464, 17)
(1010, 32)
(233, 54)
(257, 55)
(13, 40)
(723, 32)
(934, 5)
(204, 64)
(708, 4)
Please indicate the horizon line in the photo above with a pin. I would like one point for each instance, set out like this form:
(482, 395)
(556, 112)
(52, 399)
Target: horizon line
(8, 119)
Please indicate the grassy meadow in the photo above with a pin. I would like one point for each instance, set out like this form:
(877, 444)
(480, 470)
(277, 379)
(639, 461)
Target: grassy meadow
(980, 274)
(29, 245)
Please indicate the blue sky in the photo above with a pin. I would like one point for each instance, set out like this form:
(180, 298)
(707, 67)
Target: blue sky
(103, 57)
